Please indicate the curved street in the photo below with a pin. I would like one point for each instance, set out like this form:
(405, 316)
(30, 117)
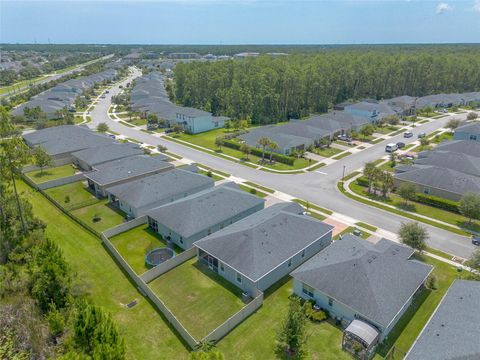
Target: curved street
(318, 187)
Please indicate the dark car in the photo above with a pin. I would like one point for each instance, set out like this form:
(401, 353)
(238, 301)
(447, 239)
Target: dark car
(400, 145)
(407, 134)
(476, 240)
(344, 138)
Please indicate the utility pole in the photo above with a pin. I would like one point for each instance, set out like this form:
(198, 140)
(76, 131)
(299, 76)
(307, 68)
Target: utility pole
(343, 175)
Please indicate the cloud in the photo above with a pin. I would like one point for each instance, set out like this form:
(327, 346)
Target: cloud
(476, 6)
(443, 7)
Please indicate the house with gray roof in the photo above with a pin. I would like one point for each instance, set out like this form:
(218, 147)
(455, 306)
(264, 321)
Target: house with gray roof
(471, 148)
(61, 142)
(406, 104)
(370, 110)
(438, 181)
(189, 219)
(195, 121)
(354, 279)
(469, 131)
(440, 101)
(451, 160)
(259, 250)
(87, 159)
(136, 197)
(452, 332)
(120, 171)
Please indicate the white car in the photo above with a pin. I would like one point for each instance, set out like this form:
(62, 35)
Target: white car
(392, 147)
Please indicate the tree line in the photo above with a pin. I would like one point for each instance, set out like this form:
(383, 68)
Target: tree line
(272, 89)
(43, 308)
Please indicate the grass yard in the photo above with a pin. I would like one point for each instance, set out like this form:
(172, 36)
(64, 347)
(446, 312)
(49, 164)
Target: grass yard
(138, 121)
(366, 226)
(385, 129)
(210, 174)
(253, 191)
(134, 244)
(207, 140)
(349, 230)
(53, 173)
(255, 337)
(109, 216)
(200, 299)
(77, 193)
(264, 188)
(327, 151)
(411, 324)
(437, 139)
(147, 336)
(341, 156)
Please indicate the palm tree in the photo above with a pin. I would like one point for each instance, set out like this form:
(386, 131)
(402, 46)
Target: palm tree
(387, 182)
(272, 146)
(245, 149)
(370, 171)
(264, 142)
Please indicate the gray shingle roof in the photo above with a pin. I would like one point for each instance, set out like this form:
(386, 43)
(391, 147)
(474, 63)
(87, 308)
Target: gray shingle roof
(148, 190)
(189, 111)
(453, 331)
(284, 141)
(374, 280)
(108, 152)
(467, 147)
(442, 178)
(257, 244)
(121, 169)
(451, 160)
(205, 209)
(471, 128)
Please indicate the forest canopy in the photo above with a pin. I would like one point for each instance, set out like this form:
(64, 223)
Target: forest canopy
(270, 89)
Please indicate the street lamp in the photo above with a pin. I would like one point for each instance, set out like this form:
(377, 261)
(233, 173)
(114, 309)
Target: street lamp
(343, 175)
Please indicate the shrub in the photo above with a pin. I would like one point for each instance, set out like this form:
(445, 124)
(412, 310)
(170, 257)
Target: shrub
(253, 191)
(96, 218)
(437, 202)
(67, 199)
(431, 282)
(362, 181)
(209, 173)
(314, 315)
(258, 152)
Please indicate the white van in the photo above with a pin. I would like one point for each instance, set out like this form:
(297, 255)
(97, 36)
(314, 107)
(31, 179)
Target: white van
(391, 147)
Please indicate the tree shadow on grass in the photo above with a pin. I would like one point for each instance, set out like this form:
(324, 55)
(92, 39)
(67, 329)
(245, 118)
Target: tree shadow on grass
(42, 174)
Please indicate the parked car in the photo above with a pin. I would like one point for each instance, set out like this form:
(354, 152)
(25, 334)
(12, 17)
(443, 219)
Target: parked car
(344, 137)
(400, 145)
(106, 91)
(392, 147)
(407, 134)
(120, 87)
(112, 136)
(421, 135)
(476, 240)
(103, 96)
(168, 131)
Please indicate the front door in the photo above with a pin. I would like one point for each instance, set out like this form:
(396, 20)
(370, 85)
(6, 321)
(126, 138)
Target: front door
(210, 262)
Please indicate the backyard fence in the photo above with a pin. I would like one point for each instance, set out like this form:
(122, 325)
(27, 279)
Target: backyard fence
(56, 162)
(168, 265)
(235, 319)
(59, 182)
(143, 287)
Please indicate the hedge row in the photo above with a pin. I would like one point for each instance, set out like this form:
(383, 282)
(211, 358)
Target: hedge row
(362, 181)
(437, 202)
(258, 152)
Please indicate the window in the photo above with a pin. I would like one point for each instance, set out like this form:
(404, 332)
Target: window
(303, 253)
(426, 191)
(330, 302)
(215, 124)
(239, 278)
(222, 268)
(289, 262)
(181, 240)
(307, 290)
(209, 231)
(473, 137)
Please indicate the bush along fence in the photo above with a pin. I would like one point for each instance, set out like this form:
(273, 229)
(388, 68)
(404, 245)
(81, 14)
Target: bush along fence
(258, 152)
(142, 284)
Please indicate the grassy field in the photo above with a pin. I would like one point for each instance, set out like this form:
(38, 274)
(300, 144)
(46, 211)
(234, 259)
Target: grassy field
(134, 244)
(109, 216)
(199, 298)
(77, 192)
(255, 337)
(146, 334)
(207, 140)
(54, 173)
(20, 84)
(327, 151)
(430, 211)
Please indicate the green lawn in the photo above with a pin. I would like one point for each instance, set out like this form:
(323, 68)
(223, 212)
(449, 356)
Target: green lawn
(255, 337)
(366, 226)
(54, 173)
(437, 139)
(207, 140)
(77, 192)
(134, 244)
(264, 188)
(138, 121)
(253, 191)
(147, 336)
(20, 84)
(327, 151)
(430, 211)
(422, 148)
(109, 215)
(200, 299)
(411, 324)
(341, 156)
(213, 176)
(385, 129)
(350, 230)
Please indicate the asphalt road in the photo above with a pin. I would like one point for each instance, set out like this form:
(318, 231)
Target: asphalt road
(317, 187)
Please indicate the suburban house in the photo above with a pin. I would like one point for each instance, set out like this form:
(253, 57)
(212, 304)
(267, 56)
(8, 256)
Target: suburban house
(365, 286)
(440, 101)
(120, 171)
(451, 160)
(195, 121)
(371, 110)
(257, 251)
(405, 105)
(189, 219)
(471, 148)
(135, 197)
(87, 159)
(303, 129)
(469, 131)
(60, 142)
(325, 123)
(439, 181)
(453, 329)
